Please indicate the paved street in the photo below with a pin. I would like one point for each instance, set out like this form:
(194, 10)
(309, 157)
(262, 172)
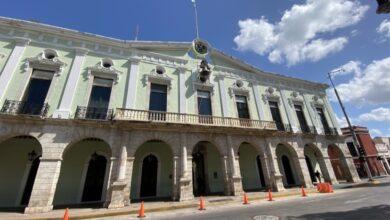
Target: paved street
(357, 203)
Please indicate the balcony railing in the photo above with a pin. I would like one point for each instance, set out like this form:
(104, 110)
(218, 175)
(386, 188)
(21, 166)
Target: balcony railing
(83, 112)
(331, 131)
(178, 118)
(12, 107)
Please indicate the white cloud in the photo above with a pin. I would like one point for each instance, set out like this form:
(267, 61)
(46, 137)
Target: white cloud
(379, 115)
(341, 121)
(371, 86)
(352, 67)
(384, 29)
(295, 38)
(376, 132)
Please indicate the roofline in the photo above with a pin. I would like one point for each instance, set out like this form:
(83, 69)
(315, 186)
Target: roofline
(70, 33)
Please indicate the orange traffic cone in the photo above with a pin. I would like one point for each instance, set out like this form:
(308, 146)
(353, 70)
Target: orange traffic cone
(66, 215)
(303, 192)
(202, 204)
(246, 202)
(270, 195)
(141, 212)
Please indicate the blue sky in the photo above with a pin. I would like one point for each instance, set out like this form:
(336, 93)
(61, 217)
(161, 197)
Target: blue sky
(301, 38)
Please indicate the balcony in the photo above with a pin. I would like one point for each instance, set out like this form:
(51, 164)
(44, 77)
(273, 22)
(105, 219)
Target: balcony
(12, 107)
(93, 113)
(178, 118)
(331, 131)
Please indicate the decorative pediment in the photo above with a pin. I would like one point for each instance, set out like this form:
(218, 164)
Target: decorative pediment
(238, 89)
(270, 95)
(207, 86)
(41, 62)
(158, 77)
(104, 72)
(295, 99)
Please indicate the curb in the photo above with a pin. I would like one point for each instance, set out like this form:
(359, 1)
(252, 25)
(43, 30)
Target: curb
(168, 208)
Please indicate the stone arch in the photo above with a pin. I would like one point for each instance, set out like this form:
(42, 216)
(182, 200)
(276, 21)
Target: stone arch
(316, 162)
(165, 172)
(22, 153)
(289, 165)
(138, 138)
(339, 163)
(253, 167)
(78, 168)
(207, 170)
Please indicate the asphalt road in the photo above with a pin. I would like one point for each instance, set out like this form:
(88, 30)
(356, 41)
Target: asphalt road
(371, 203)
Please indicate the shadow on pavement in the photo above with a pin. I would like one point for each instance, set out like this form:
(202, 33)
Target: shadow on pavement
(372, 212)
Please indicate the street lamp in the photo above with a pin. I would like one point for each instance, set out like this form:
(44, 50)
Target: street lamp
(32, 155)
(360, 149)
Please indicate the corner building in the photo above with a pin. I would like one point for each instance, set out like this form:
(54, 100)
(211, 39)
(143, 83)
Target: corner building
(88, 120)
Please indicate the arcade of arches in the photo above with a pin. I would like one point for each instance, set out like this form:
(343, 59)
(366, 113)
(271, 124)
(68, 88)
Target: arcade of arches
(94, 173)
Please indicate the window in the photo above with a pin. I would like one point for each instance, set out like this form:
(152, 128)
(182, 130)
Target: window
(158, 98)
(352, 149)
(204, 107)
(99, 99)
(158, 102)
(276, 115)
(324, 122)
(35, 96)
(301, 118)
(242, 107)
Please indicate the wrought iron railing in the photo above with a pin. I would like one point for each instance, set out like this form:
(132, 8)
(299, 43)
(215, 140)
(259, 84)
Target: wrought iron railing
(178, 118)
(331, 131)
(83, 112)
(13, 107)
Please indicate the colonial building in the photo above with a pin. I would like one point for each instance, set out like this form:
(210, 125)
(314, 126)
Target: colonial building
(368, 149)
(88, 120)
(382, 145)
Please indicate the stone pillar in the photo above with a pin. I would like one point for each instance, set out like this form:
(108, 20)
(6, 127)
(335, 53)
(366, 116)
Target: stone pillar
(386, 165)
(350, 170)
(131, 88)
(64, 110)
(289, 113)
(227, 186)
(118, 186)
(258, 101)
(45, 184)
(235, 176)
(12, 64)
(222, 95)
(266, 171)
(129, 174)
(312, 114)
(182, 91)
(185, 184)
(276, 178)
(327, 170)
(304, 173)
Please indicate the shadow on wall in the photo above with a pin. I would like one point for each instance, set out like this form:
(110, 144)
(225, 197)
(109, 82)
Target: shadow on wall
(372, 212)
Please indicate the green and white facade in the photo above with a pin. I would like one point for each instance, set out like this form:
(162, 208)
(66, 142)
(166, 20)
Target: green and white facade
(68, 152)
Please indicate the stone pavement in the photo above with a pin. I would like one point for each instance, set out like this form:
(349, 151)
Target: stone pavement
(211, 201)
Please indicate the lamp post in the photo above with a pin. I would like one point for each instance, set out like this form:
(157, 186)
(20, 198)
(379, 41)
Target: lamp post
(360, 149)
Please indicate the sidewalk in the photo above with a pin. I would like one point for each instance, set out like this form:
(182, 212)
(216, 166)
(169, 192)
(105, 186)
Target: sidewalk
(85, 213)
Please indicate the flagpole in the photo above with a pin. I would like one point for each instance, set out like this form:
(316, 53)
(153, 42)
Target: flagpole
(196, 19)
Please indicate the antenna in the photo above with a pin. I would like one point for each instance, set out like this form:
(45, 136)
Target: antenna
(196, 19)
(136, 33)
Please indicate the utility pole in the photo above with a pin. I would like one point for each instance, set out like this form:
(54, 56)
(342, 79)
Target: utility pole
(359, 149)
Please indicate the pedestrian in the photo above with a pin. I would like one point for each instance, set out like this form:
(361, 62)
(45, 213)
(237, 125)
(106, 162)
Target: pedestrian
(318, 175)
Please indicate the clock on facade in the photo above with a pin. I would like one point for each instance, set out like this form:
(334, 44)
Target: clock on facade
(200, 47)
